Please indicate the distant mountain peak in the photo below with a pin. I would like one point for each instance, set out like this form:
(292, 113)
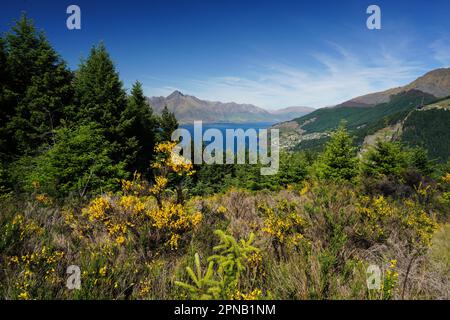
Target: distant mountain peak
(190, 108)
(175, 94)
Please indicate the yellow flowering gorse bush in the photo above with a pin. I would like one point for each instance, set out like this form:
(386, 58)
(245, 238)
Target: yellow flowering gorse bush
(284, 224)
(38, 269)
(142, 206)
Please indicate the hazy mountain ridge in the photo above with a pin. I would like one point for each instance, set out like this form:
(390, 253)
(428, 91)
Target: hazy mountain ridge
(189, 108)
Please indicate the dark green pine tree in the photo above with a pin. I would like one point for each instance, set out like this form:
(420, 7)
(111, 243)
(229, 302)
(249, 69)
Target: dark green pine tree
(39, 88)
(167, 123)
(99, 93)
(5, 110)
(386, 158)
(338, 161)
(140, 123)
(100, 98)
(3, 75)
(4, 116)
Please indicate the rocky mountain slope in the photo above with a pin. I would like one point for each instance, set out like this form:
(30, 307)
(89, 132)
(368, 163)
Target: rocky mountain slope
(189, 108)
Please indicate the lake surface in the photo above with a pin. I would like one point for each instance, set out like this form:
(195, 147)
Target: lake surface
(223, 126)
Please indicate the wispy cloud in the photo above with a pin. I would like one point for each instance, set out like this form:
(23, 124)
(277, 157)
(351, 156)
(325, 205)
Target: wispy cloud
(342, 75)
(441, 50)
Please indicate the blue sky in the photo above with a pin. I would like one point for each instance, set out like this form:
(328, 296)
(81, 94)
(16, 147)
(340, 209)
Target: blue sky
(269, 53)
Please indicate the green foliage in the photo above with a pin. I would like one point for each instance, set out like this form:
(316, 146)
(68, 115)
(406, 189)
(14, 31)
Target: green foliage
(99, 93)
(38, 90)
(329, 118)
(217, 178)
(203, 287)
(140, 123)
(5, 111)
(128, 123)
(385, 158)
(167, 123)
(3, 179)
(230, 260)
(361, 121)
(77, 163)
(100, 98)
(313, 146)
(392, 169)
(40, 97)
(418, 160)
(338, 161)
(429, 129)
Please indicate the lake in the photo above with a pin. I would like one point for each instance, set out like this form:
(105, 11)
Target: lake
(223, 126)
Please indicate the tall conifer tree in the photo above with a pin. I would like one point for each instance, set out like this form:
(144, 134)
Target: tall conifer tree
(39, 87)
(5, 110)
(100, 98)
(141, 124)
(168, 123)
(338, 161)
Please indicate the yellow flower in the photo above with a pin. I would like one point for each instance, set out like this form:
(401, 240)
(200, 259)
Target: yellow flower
(18, 219)
(24, 296)
(393, 263)
(97, 209)
(446, 178)
(221, 209)
(120, 240)
(172, 159)
(44, 199)
(102, 271)
(160, 184)
(173, 241)
(196, 218)
(132, 204)
(144, 288)
(305, 189)
(255, 259)
(254, 295)
(14, 259)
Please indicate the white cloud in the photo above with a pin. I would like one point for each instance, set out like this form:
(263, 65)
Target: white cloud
(343, 75)
(441, 51)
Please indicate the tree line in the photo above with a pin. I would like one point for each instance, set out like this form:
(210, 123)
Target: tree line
(70, 131)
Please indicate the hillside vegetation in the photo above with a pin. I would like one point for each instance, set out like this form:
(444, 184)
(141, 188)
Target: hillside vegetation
(429, 129)
(356, 117)
(417, 119)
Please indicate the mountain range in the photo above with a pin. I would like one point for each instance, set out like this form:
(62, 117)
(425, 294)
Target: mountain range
(189, 108)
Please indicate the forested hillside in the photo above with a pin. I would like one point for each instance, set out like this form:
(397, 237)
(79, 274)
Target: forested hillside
(417, 124)
(357, 117)
(429, 129)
